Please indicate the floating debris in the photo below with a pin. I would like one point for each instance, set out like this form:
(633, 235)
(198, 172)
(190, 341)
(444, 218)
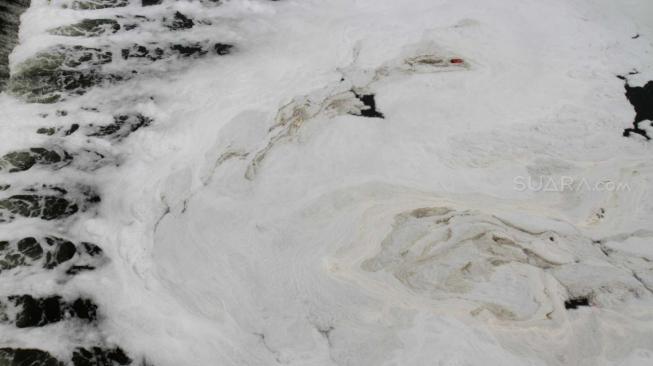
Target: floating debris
(641, 98)
(577, 302)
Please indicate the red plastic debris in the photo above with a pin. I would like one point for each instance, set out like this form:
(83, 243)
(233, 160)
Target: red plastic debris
(457, 61)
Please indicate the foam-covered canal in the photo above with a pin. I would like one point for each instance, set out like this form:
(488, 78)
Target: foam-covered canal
(257, 182)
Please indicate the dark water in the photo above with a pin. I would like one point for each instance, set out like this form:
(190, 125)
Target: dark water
(10, 11)
(370, 106)
(54, 74)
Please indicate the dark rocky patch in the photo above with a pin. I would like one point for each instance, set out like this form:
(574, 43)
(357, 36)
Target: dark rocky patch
(574, 303)
(98, 4)
(155, 52)
(83, 309)
(18, 161)
(74, 127)
(23, 252)
(97, 356)
(641, 98)
(10, 11)
(36, 206)
(142, 52)
(90, 259)
(64, 70)
(49, 75)
(54, 158)
(179, 21)
(54, 130)
(370, 106)
(92, 249)
(47, 131)
(61, 251)
(87, 28)
(49, 253)
(222, 48)
(47, 202)
(30, 248)
(27, 357)
(92, 356)
(133, 22)
(77, 269)
(151, 2)
(123, 125)
(188, 50)
(31, 312)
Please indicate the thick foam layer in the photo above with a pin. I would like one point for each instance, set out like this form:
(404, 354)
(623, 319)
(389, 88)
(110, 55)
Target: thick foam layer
(326, 183)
